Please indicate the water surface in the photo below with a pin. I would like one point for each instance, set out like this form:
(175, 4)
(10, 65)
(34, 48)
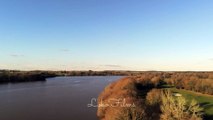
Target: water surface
(59, 98)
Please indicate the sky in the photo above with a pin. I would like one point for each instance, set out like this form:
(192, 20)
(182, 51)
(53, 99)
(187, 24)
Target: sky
(164, 35)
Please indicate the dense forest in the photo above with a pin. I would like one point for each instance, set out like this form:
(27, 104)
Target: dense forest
(195, 81)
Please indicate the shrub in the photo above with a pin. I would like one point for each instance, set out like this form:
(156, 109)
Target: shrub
(177, 108)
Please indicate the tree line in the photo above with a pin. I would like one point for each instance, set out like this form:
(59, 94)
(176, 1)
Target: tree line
(194, 81)
(23, 76)
(7, 76)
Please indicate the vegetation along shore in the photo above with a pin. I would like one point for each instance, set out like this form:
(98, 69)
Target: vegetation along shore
(159, 96)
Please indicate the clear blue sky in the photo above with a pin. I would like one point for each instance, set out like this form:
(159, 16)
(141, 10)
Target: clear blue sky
(106, 34)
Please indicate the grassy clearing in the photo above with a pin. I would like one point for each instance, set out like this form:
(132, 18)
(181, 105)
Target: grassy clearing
(206, 101)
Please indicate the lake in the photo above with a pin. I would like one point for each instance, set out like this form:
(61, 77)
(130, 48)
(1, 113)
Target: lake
(59, 98)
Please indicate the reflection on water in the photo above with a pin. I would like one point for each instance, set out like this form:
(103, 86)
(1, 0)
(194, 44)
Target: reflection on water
(60, 98)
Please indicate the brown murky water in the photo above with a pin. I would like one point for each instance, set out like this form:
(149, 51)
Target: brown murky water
(60, 98)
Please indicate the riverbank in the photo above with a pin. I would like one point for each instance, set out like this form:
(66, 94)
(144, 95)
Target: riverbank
(150, 93)
(24, 76)
(13, 76)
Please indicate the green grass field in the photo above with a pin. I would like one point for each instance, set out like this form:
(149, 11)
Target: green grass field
(206, 101)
